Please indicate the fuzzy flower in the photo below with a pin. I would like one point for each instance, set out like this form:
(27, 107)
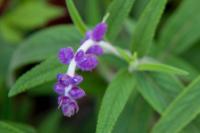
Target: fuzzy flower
(85, 58)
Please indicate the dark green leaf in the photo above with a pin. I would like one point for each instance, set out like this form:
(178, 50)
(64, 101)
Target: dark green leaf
(115, 99)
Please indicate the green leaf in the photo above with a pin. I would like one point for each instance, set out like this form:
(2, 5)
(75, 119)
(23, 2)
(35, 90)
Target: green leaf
(7, 128)
(45, 43)
(179, 32)
(23, 127)
(32, 14)
(42, 73)
(146, 26)
(185, 106)
(158, 89)
(76, 17)
(92, 12)
(135, 117)
(119, 10)
(183, 64)
(158, 67)
(114, 100)
(51, 122)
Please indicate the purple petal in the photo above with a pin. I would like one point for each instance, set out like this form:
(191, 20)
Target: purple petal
(70, 108)
(95, 49)
(87, 63)
(77, 93)
(65, 55)
(87, 36)
(79, 55)
(59, 89)
(63, 100)
(77, 79)
(64, 79)
(99, 32)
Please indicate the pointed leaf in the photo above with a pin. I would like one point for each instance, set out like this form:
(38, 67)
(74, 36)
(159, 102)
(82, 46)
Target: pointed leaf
(179, 32)
(119, 10)
(42, 73)
(114, 101)
(76, 17)
(186, 106)
(146, 26)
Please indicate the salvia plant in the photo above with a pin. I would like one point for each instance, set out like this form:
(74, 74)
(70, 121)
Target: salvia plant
(113, 66)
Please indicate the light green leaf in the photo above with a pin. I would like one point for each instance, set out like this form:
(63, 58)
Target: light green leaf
(76, 17)
(186, 106)
(158, 89)
(183, 64)
(146, 26)
(7, 128)
(179, 32)
(115, 99)
(43, 44)
(158, 67)
(119, 10)
(42, 73)
(32, 14)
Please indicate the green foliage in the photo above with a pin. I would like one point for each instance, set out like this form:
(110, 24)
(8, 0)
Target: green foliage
(116, 97)
(45, 43)
(6, 127)
(76, 17)
(146, 26)
(116, 18)
(158, 89)
(185, 106)
(158, 67)
(42, 73)
(179, 32)
(32, 14)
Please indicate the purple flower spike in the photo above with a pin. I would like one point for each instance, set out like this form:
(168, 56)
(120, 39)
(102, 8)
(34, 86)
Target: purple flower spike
(99, 32)
(65, 55)
(87, 63)
(59, 89)
(95, 49)
(77, 93)
(70, 108)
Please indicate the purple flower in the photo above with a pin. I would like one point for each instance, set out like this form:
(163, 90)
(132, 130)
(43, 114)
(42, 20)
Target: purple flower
(95, 49)
(70, 108)
(99, 31)
(86, 62)
(65, 55)
(59, 88)
(77, 93)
